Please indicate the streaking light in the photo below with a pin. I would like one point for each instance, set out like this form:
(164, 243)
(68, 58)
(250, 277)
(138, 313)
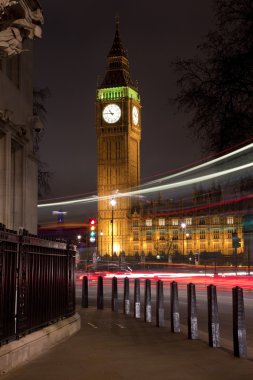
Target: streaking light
(201, 166)
(166, 186)
(154, 188)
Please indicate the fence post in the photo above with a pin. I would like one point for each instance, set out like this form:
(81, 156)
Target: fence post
(192, 312)
(85, 292)
(114, 294)
(147, 302)
(239, 330)
(100, 293)
(213, 319)
(126, 305)
(137, 298)
(159, 304)
(9, 257)
(174, 308)
(71, 253)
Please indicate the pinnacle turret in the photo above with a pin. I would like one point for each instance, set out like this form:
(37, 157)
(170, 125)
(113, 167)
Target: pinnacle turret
(117, 64)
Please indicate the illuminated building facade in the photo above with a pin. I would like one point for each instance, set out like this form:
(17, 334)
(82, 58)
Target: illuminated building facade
(212, 221)
(205, 223)
(167, 235)
(134, 228)
(118, 130)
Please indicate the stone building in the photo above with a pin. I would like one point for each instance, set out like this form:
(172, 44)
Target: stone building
(20, 21)
(118, 128)
(165, 229)
(205, 224)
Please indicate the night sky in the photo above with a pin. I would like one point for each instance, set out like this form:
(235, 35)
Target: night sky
(71, 58)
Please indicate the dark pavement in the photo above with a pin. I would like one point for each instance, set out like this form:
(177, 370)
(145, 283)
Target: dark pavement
(112, 346)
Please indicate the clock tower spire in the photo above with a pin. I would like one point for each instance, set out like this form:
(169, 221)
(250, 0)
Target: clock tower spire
(118, 130)
(117, 73)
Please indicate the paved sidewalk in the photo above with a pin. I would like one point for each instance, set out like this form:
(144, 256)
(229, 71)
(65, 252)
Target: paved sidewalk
(112, 346)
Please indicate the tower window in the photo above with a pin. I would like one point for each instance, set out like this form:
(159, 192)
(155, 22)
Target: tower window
(202, 234)
(148, 222)
(230, 220)
(188, 221)
(148, 235)
(216, 233)
(216, 220)
(175, 235)
(162, 235)
(230, 231)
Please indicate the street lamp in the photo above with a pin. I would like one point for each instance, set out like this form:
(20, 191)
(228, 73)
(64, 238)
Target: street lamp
(113, 204)
(183, 225)
(101, 236)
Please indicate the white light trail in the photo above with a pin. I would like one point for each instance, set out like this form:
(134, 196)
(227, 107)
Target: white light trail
(201, 166)
(93, 198)
(153, 188)
(187, 182)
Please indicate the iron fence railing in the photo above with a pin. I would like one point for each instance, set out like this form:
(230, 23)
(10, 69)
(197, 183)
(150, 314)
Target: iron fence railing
(37, 282)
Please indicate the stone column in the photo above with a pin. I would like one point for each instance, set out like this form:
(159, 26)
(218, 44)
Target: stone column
(5, 179)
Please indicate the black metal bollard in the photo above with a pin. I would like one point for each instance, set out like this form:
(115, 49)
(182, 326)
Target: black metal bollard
(114, 294)
(239, 329)
(137, 299)
(147, 302)
(159, 304)
(174, 308)
(126, 305)
(100, 293)
(213, 319)
(192, 312)
(85, 293)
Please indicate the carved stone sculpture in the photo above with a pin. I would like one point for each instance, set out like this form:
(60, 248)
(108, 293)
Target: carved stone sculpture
(19, 19)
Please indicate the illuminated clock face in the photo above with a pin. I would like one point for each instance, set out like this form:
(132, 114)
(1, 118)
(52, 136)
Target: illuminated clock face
(111, 113)
(135, 115)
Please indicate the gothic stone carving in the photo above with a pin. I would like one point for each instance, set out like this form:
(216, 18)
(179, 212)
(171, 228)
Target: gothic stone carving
(19, 19)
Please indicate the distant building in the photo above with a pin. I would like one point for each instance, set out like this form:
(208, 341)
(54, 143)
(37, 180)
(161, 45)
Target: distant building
(162, 228)
(206, 223)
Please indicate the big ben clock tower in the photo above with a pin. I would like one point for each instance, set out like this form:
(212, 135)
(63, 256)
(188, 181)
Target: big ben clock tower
(118, 129)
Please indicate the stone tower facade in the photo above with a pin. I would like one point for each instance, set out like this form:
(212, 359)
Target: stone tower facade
(118, 129)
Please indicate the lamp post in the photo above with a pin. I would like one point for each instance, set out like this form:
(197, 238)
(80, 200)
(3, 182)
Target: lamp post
(79, 237)
(101, 236)
(187, 236)
(113, 204)
(183, 225)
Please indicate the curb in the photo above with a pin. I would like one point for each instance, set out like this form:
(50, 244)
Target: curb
(21, 351)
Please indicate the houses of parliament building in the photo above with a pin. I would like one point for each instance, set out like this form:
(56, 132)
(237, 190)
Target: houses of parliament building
(125, 224)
